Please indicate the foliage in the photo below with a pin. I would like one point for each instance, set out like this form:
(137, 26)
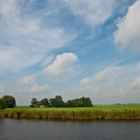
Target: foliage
(9, 101)
(121, 112)
(45, 102)
(34, 102)
(2, 104)
(79, 102)
(57, 102)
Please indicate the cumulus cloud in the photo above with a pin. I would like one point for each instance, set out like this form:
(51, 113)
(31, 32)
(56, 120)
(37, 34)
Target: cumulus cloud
(128, 33)
(111, 85)
(61, 66)
(6, 59)
(136, 83)
(25, 88)
(29, 84)
(24, 38)
(28, 39)
(92, 12)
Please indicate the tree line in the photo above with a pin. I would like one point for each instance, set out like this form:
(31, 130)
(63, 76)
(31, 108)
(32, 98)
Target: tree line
(58, 101)
(7, 101)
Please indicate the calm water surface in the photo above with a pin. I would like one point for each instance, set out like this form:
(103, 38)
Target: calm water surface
(11, 129)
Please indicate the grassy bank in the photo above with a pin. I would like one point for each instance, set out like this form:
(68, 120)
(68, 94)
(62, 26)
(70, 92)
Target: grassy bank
(90, 113)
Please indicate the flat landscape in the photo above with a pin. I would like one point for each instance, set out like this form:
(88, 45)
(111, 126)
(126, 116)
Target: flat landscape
(120, 112)
(69, 69)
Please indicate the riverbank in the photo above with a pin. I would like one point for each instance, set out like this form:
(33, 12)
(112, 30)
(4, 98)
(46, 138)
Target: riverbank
(89, 113)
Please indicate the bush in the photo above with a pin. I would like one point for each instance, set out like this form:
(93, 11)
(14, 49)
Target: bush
(2, 104)
(9, 101)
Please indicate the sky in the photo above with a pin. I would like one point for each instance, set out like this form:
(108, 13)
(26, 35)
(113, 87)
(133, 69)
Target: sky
(71, 48)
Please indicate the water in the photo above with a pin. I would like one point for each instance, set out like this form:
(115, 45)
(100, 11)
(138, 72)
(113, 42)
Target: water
(58, 130)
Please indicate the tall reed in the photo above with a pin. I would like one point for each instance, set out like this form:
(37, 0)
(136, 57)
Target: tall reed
(94, 113)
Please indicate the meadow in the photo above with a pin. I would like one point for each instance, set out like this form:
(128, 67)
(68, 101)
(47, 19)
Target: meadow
(120, 112)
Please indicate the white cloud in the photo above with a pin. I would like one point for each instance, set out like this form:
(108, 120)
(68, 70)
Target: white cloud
(111, 85)
(29, 84)
(114, 84)
(25, 88)
(24, 39)
(62, 66)
(6, 59)
(136, 83)
(128, 33)
(92, 12)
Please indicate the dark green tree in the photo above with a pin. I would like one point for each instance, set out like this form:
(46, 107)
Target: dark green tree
(57, 101)
(45, 102)
(2, 104)
(70, 103)
(79, 102)
(34, 102)
(9, 101)
(87, 102)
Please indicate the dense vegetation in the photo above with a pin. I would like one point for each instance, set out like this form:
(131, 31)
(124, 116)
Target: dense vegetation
(7, 101)
(56, 109)
(127, 112)
(58, 102)
(79, 102)
(2, 105)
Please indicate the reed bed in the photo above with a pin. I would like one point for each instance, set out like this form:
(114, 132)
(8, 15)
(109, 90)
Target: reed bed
(90, 113)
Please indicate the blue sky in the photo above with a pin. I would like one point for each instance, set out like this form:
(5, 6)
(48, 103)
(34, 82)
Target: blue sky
(72, 48)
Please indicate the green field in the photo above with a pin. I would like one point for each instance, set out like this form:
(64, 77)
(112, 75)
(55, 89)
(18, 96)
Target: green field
(125, 112)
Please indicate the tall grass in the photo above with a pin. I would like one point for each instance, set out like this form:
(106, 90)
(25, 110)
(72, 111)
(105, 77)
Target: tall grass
(90, 113)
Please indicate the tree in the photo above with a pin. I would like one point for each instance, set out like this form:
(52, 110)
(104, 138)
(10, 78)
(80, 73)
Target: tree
(70, 103)
(34, 102)
(2, 104)
(45, 102)
(9, 101)
(79, 102)
(87, 102)
(57, 101)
